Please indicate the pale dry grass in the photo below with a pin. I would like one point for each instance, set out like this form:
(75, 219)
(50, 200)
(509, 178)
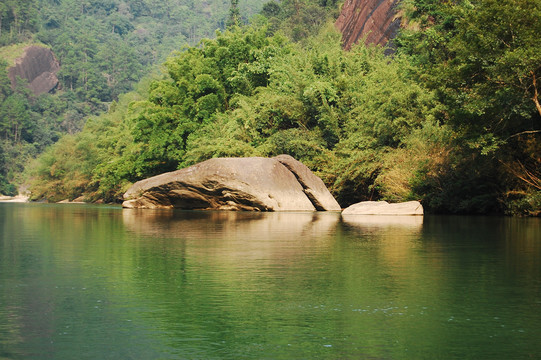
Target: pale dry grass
(11, 53)
(401, 166)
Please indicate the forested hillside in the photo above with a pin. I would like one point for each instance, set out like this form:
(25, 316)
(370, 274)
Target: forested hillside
(452, 118)
(103, 47)
(482, 59)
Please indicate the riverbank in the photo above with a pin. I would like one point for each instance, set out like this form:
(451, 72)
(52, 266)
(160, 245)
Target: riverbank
(18, 198)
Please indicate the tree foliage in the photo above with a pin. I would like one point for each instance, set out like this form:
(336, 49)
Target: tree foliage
(246, 93)
(451, 119)
(299, 19)
(482, 58)
(104, 47)
(18, 19)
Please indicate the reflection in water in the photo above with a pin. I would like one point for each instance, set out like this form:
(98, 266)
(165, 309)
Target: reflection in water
(396, 237)
(383, 222)
(231, 236)
(105, 283)
(228, 224)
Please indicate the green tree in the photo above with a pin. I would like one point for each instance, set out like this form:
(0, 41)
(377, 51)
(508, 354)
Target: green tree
(201, 83)
(481, 56)
(271, 9)
(5, 83)
(16, 123)
(234, 18)
(5, 188)
(17, 19)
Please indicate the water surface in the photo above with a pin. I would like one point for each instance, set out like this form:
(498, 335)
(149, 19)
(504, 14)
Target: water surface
(89, 282)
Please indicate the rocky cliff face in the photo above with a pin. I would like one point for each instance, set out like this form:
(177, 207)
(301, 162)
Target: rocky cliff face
(377, 20)
(38, 66)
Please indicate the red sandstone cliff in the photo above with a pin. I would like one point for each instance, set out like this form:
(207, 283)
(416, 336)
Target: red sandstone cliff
(39, 66)
(375, 19)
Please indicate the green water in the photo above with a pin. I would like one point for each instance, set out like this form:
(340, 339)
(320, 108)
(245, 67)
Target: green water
(89, 282)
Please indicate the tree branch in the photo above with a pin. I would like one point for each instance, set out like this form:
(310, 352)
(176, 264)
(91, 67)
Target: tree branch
(526, 175)
(523, 133)
(535, 93)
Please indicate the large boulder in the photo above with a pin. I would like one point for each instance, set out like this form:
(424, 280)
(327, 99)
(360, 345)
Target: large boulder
(254, 184)
(384, 208)
(39, 67)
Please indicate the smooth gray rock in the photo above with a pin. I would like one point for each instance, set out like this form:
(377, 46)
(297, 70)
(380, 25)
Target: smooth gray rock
(313, 186)
(384, 208)
(254, 184)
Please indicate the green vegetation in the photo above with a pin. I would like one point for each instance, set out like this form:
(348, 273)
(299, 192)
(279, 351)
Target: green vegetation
(104, 48)
(482, 59)
(247, 93)
(299, 19)
(451, 119)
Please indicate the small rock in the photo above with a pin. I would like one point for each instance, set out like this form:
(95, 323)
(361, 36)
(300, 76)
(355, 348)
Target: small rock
(384, 208)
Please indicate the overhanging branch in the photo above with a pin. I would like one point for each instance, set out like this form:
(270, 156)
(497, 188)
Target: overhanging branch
(535, 93)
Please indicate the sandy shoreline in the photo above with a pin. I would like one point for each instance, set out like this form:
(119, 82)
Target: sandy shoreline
(16, 199)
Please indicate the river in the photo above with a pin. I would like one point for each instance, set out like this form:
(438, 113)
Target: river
(101, 282)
